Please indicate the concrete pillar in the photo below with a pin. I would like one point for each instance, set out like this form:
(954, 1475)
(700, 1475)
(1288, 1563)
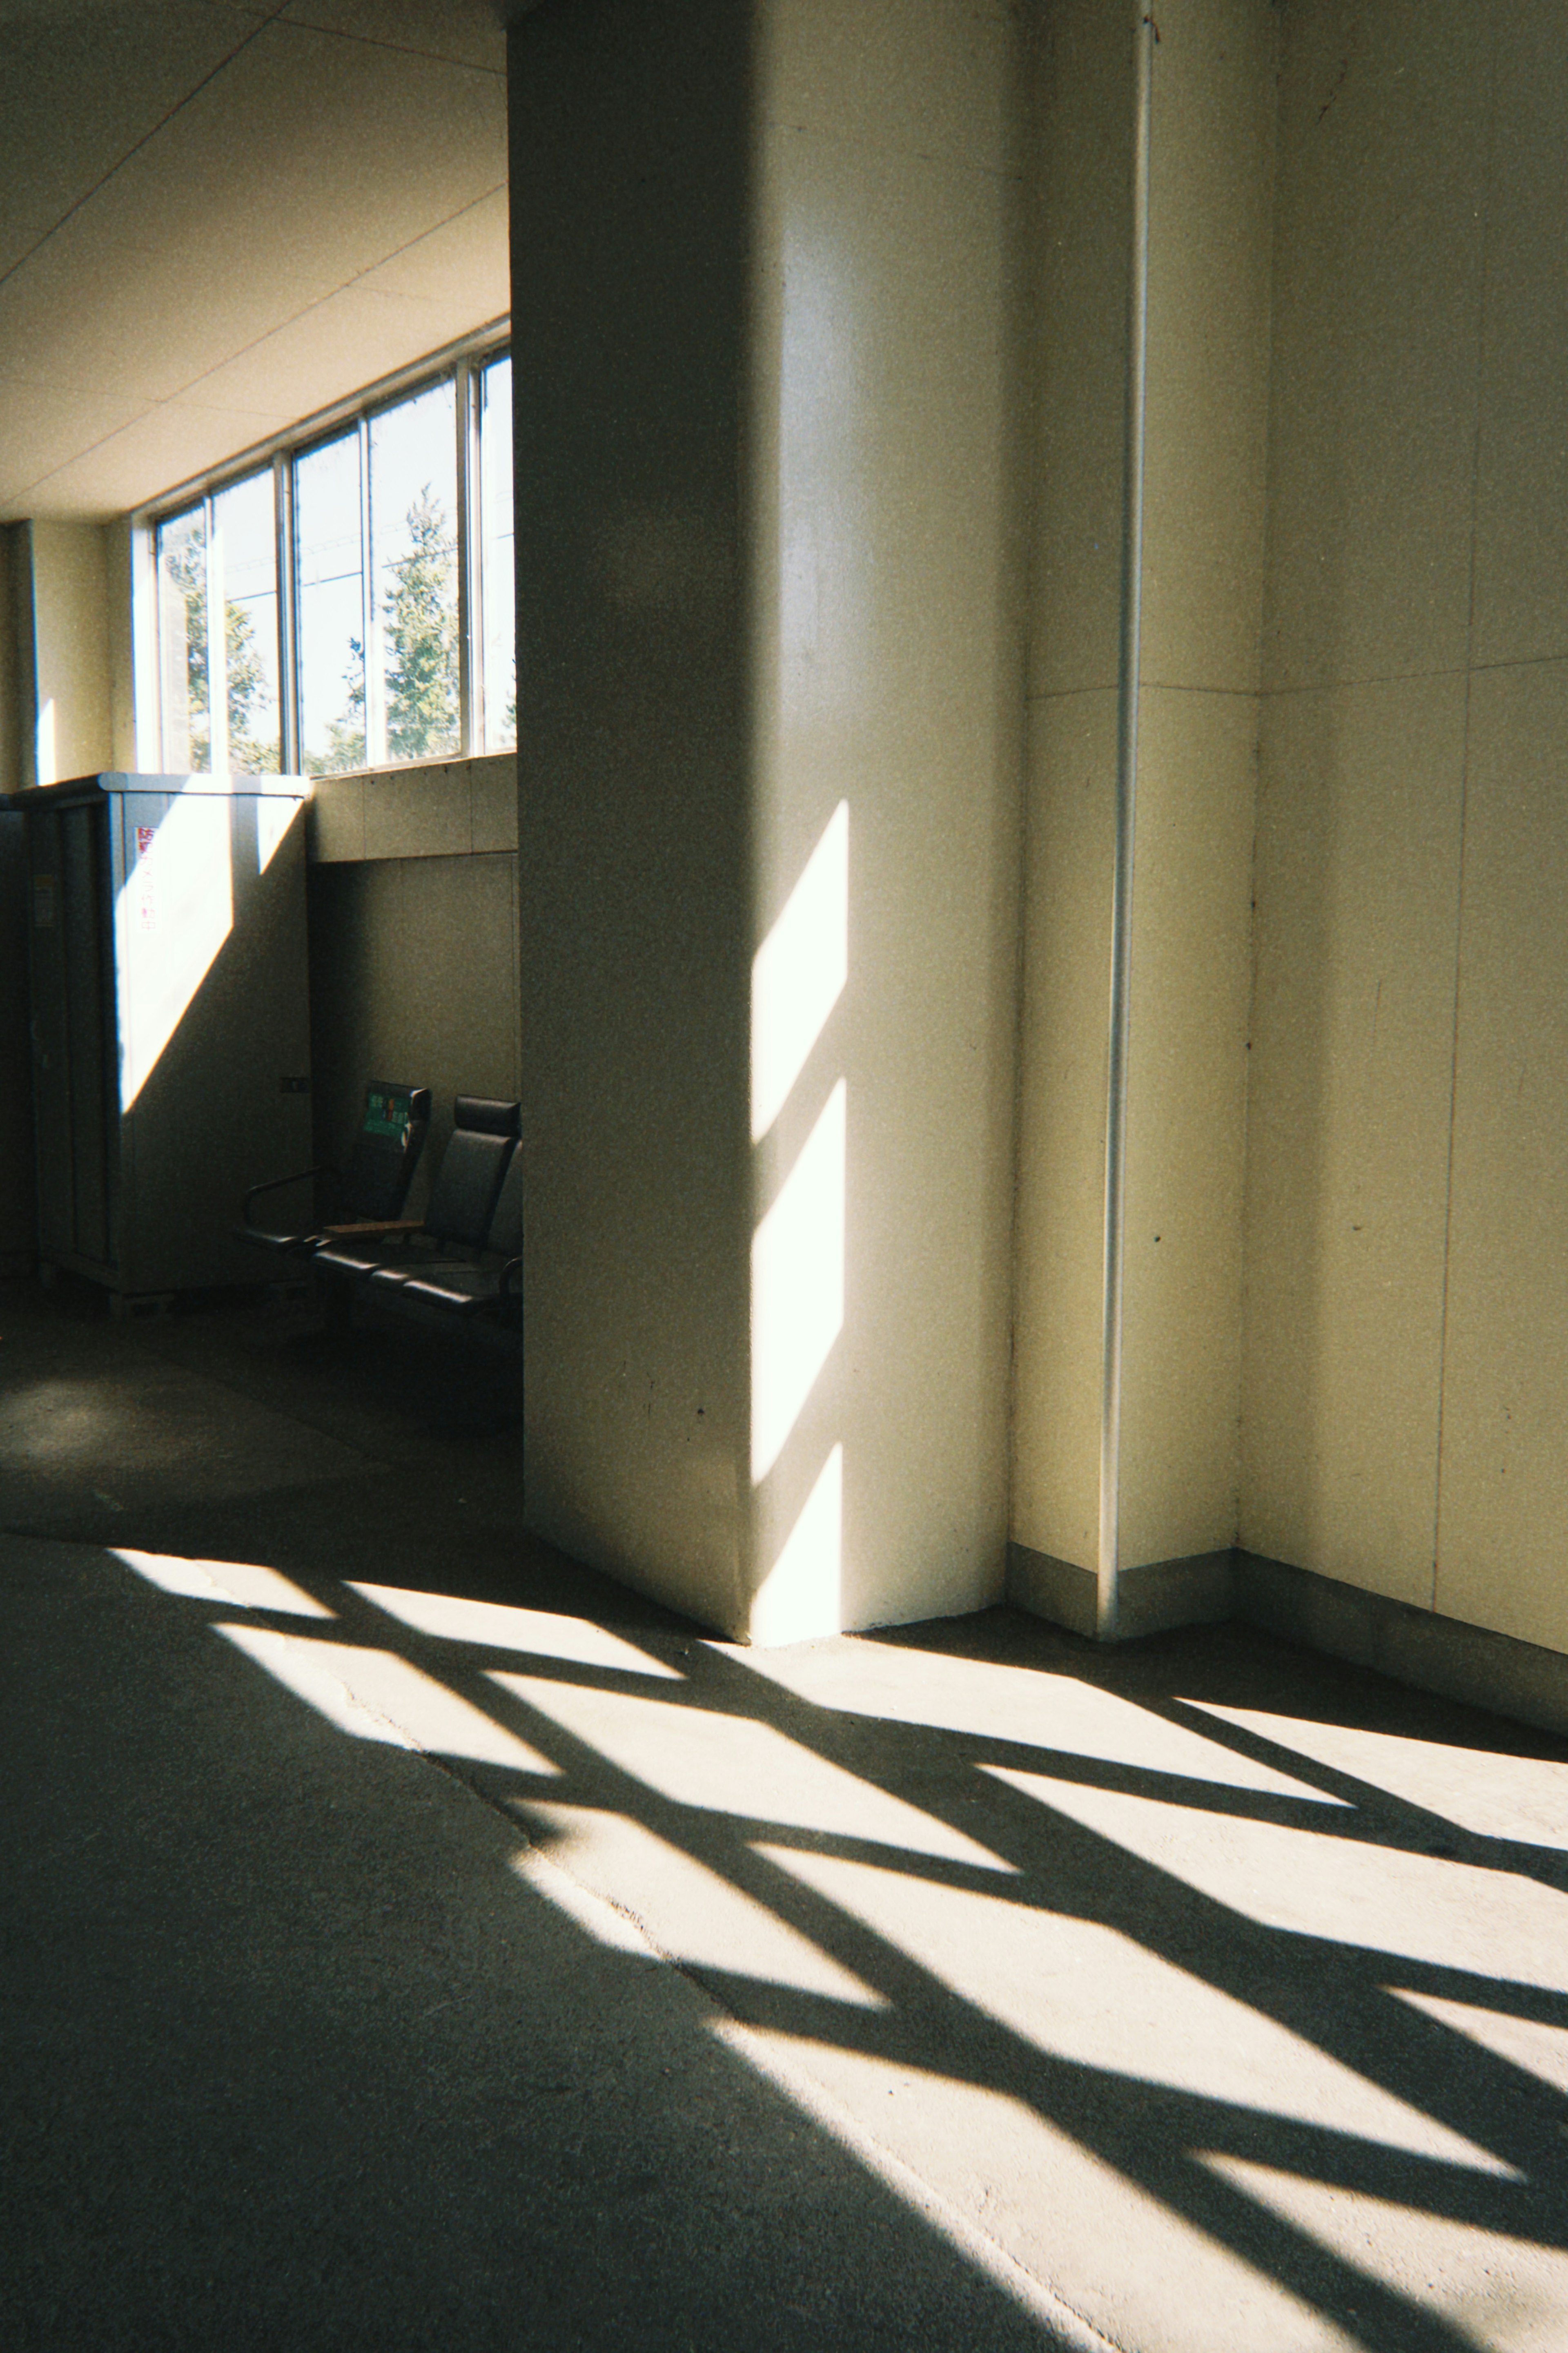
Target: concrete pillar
(765, 328)
(1210, 198)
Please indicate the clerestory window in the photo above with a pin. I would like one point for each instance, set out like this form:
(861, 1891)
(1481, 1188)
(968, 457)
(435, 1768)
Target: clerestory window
(363, 573)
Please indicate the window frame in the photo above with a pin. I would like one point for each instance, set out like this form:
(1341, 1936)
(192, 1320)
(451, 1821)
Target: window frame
(462, 363)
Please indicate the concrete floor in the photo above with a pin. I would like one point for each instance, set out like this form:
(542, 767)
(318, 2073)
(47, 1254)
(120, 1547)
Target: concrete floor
(411, 1940)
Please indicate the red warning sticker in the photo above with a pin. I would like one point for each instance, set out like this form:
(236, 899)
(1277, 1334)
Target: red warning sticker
(146, 897)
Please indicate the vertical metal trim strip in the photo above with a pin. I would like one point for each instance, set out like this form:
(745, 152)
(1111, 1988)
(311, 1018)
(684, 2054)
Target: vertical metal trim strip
(218, 760)
(370, 609)
(288, 753)
(1109, 1565)
(470, 723)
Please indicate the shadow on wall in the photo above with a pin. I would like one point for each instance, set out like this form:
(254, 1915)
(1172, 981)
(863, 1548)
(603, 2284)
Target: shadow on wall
(18, 1205)
(413, 975)
(1237, 2027)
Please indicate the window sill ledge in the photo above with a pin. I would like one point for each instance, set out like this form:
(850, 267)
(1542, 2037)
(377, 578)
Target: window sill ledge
(450, 809)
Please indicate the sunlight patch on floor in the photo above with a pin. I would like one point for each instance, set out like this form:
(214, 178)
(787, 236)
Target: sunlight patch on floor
(733, 1765)
(989, 1701)
(1500, 2294)
(1453, 1914)
(1086, 1993)
(999, 2177)
(498, 1626)
(1481, 1790)
(376, 1695)
(238, 1584)
(686, 1911)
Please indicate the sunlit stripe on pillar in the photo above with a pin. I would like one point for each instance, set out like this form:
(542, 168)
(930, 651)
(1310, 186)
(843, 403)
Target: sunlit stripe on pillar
(800, 1597)
(798, 972)
(797, 1285)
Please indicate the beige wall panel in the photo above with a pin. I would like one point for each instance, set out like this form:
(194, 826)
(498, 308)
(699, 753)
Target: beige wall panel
(494, 797)
(1522, 506)
(929, 77)
(1187, 1122)
(1211, 222)
(888, 588)
(1503, 1552)
(413, 976)
(336, 819)
(1350, 1083)
(71, 642)
(426, 812)
(116, 576)
(18, 1197)
(1059, 1214)
(1377, 297)
(1083, 242)
(16, 659)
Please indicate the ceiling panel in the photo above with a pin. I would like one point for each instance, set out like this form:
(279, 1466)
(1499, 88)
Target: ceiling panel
(468, 255)
(356, 337)
(325, 206)
(310, 145)
(468, 31)
(45, 426)
(81, 86)
(162, 446)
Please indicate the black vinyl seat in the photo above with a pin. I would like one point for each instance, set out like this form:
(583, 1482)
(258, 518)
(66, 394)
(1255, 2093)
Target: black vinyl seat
(461, 1205)
(371, 1193)
(486, 1285)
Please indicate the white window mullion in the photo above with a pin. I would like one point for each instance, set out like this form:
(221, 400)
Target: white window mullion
(287, 640)
(375, 679)
(218, 644)
(470, 653)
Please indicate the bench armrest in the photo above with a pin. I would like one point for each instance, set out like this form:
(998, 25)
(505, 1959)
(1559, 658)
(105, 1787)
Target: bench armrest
(276, 1184)
(362, 1226)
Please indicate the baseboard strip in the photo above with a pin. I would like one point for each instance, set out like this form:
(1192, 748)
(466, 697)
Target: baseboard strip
(1414, 1646)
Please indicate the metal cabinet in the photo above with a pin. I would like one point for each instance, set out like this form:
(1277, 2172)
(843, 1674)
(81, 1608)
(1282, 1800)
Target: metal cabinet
(170, 1018)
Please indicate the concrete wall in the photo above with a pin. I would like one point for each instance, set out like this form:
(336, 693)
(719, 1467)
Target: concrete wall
(67, 686)
(18, 1205)
(13, 717)
(1210, 217)
(17, 1196)
(761, 268)
(1405, 1421)
(57, 710)
(414, 943)
(121, 651)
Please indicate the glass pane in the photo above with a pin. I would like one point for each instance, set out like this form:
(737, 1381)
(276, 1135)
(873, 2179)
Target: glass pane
(330, 608)
(413, 540)
(245, 530)
(498, 588)
(183, 642)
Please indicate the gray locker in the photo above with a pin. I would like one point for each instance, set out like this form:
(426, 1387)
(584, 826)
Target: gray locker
(170, 1018)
